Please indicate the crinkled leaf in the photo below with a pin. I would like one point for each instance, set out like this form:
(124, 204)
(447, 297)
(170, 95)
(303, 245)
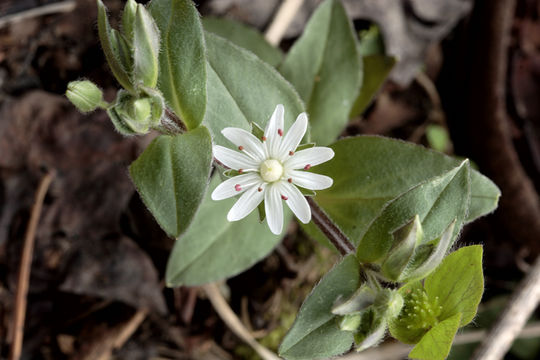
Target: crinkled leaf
(315, 333)
(437, 202)
(245, 37)
(182, 60)
(459, 283)
(436, 343)
(238, 103)
(369, 171)
(214, 248)
(326, 69)
(170, 183)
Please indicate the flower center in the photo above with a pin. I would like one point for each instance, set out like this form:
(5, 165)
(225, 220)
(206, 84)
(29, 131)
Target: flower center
(271, 170)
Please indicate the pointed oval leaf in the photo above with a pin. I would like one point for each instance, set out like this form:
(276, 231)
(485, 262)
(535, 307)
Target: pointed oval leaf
(315, 333)
(437, 202)
(436, 343)
(238, 103)
(326, 69)
(369, 171)
(244, 36)
(170, 183)
(214, 248)
(459, 283)
(182, 60)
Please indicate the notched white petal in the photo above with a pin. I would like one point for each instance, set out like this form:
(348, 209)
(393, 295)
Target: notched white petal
(246, 142)
(304, 159)
(296, 202)
(235, 186)
(310, 180)
(274, 209)
(293, 137)
(274, 132)
(247, 203)
(233, 159)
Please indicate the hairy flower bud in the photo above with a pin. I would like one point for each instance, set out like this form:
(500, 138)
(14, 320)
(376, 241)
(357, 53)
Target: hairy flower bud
(85, 95)
(131, 115)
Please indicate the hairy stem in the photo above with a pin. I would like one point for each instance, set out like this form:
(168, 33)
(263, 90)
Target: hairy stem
(332, 232)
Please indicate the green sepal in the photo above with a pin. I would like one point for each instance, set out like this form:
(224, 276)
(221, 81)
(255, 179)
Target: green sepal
(110, 51)
(350, 322)
(256, 130)
(304, 146)
(85, 95)
(371, 331)
(122, 49)
(128, 18)
(406, 239)
(359, 301)
(145, 48)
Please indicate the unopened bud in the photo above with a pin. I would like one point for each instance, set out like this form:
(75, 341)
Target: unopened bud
(128, 18)
(132, 115)
(85, 95)
(360, 300)
(145, 48)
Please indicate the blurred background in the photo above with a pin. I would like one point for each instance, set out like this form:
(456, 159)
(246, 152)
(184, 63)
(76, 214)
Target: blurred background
(467, 83)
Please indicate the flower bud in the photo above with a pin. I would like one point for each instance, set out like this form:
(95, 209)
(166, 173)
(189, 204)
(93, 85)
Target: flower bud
(359, 301)
(145, 48)
(406, 239)
(128, 18)
(350, 322)
(131, 115)
(85, 95)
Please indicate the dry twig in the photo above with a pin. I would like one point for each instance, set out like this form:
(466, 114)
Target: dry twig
(282, 20)
(24, 270)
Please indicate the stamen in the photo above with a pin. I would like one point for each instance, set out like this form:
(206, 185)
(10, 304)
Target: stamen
(263, 138)
(307, 167)
(259, 189)
(240, 148)
(284, 197)
(237, 187)
(291, 153)
(289, 180)
(280, 132)
(240, 171)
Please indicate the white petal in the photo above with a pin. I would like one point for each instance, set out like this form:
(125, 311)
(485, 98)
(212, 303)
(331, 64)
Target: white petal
(240, 137)
(274, 126)
(310, 180)
(293, 137)
(228, 188)
(296, 202)
(274, 209)
(247, 203)
(312, 156)
(233, 159)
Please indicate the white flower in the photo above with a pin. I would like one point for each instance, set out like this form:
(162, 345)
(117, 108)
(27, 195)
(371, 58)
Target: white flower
(270, 170)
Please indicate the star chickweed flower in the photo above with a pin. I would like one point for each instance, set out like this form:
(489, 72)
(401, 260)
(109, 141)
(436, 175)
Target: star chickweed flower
(271, 170)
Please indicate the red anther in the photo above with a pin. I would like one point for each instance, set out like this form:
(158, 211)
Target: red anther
(291, 153)
(259, 189)
(280, 132)
(240, 171)
(284, 197)
(237, 187)
(240, 148)
(289, 180)
(263, 138)
(307, 167)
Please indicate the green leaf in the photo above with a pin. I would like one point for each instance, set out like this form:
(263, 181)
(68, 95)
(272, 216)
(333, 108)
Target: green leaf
(111, 54)
(170, 183)
(376, 70)
(145, 48)
(435, 345)
(315, 333)
(326, 69)
(245, 37)
(214, 248)
(438, 137)
(437, 202)
(238, 103)
(371, 42)
(459, 283)
(369, 171)
(182, 60)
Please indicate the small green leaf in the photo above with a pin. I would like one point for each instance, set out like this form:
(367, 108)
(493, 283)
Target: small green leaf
(182, 60)
(145, 48)
(245, 37)
(371, 42)
(214, 248)
(239, 103)
(437, 202)
(435, 345)
(369, 171)
(170, 183)
(104, 30)
(326, 69)
(459, 283)
(315, 333)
